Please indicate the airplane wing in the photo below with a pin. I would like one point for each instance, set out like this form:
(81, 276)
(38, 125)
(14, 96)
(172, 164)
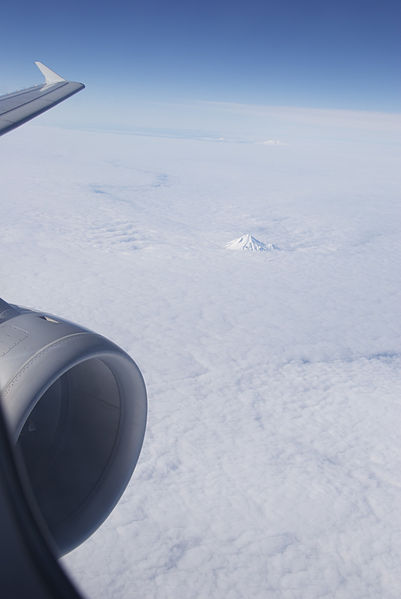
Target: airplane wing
(19, 107)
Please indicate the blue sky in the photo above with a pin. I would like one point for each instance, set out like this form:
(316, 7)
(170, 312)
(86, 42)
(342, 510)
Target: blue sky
(283, 53)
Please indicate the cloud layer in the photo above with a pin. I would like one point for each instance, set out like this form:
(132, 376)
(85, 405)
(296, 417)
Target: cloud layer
(271, 461)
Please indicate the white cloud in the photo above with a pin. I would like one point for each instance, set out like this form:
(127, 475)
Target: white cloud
(271, 462)
(271, 142)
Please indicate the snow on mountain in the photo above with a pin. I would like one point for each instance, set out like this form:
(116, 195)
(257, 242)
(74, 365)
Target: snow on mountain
(247, 242)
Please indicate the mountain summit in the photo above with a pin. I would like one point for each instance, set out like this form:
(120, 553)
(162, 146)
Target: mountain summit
(249, 243)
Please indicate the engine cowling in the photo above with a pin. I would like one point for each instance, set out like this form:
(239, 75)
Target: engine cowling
(75, 405)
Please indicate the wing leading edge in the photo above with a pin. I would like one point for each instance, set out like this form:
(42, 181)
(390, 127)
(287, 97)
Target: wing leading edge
(19, 107)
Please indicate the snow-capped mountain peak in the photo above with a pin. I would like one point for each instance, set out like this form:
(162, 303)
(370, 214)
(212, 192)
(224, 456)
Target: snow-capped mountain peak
(250, 243)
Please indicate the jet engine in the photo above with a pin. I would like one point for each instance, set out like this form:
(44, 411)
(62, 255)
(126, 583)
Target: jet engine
(75, 405)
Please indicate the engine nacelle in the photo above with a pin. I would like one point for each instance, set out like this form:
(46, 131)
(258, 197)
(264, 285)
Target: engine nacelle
(76, 407)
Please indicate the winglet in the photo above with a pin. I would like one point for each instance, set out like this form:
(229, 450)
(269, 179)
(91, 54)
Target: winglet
(49, 75)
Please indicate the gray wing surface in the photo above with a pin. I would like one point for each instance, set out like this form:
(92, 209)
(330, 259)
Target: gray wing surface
(21, 106)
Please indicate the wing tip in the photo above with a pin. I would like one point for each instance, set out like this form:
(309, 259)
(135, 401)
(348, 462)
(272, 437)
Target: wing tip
(49, 75)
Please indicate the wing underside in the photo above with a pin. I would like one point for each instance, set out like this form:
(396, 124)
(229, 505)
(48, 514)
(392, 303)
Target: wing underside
(21, 106)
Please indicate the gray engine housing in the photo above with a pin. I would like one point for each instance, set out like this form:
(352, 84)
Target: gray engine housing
(76, 406)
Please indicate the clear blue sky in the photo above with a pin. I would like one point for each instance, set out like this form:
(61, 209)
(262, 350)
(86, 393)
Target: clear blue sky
(342, 54)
